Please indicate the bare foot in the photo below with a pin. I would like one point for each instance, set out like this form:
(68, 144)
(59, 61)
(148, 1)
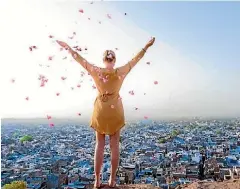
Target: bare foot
(112, 183)
(97, 183)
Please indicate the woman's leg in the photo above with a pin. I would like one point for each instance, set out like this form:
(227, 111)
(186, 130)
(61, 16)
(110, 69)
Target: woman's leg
(98, 157)
(114, 147)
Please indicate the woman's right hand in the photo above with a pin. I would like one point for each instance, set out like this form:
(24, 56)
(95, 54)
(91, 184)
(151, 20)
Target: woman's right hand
(63, 44)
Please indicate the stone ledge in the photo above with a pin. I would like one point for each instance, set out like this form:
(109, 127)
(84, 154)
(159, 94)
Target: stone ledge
(129, 186)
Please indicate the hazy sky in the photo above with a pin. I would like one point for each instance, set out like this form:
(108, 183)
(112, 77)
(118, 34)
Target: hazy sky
(195, 59)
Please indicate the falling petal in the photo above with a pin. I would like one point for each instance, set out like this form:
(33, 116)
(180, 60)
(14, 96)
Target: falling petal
(79, 114)
(50, 57)
(81, 10)
(57, 94)
(49, 117)
(131, 92)
(78, 86)
(50, 36)
(12, 80)
(109, 16)
(30, 48)
(145, 117)
(35, 47)
(51, 124)
(63, 78)
(74, 33)
(27, 98)
(93, 87)
(136, 108)
(155, 82)
(148, 63)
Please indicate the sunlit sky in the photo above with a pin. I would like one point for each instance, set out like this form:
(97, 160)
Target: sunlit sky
(195, 58)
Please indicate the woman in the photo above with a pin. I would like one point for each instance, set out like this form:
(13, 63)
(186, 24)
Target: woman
(108, 114)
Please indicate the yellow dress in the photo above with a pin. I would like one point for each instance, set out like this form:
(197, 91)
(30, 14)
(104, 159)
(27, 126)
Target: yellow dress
(108, 114)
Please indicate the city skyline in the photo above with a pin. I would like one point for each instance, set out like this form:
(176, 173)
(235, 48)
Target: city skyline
(187, 86)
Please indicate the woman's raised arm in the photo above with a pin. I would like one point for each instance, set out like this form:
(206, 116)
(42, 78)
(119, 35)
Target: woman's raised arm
(127, 67)
(82, 61)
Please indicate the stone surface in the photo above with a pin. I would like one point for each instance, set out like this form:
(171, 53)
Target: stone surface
(230, 184)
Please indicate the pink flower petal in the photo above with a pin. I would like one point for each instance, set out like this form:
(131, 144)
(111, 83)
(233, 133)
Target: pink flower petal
(109, 16)
(155, 82)
(131, 92)
(27, 98)
(78, 86)
(148, 63)
(145, 117)
(79, 114)
(50, 57)
(50, 36)
(57, 94)
(51, 124)
(49, 117)
(81, 11)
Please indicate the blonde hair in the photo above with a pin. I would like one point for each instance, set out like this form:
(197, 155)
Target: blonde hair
(109, 56)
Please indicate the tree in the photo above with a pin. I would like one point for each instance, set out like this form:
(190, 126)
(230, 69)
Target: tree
(26, 138)
(162, 140)
(16, 185)
(175, 133)
(218, 132)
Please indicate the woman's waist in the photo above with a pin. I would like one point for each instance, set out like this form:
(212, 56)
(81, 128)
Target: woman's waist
(107, 96)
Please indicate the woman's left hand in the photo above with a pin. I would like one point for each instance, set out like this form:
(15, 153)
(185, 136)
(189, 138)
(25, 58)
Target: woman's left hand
(150, 43)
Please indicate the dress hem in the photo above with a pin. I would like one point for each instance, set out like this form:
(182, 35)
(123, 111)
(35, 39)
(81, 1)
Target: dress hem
(104, 133)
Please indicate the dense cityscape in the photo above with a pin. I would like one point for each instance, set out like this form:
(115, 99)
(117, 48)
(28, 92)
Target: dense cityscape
(161, 153)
